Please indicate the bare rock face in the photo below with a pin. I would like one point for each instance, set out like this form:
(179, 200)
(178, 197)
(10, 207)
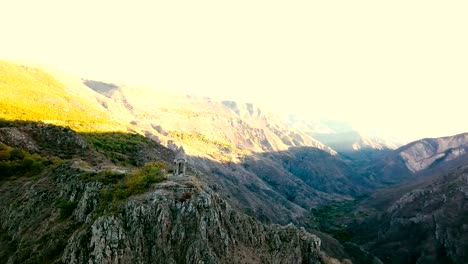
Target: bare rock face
(204, 229)
(423, 153)
(162, 225)
(421, 158)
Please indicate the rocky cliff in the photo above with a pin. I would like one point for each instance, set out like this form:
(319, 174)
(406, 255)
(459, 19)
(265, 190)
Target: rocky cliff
(85, 209)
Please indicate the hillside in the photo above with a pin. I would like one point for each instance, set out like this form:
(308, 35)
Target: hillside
(205, 127)
(421, 222)
(29, 93)
(106, 194)
(241, 150)
(422, 158)
(80, 207)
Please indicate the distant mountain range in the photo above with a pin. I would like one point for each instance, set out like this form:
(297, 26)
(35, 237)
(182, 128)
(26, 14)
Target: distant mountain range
(342, 136)
(423, 157)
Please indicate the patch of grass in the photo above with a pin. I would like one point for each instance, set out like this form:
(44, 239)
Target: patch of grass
(106, 176)
(138, 182)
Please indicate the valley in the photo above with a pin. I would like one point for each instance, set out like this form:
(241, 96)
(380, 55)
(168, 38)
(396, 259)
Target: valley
(93, 181)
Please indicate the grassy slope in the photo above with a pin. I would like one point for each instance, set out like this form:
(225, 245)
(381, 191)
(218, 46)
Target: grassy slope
(28, 93)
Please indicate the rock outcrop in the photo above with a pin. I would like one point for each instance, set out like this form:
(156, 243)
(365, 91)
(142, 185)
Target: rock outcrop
(425, 224)
(204, 229)
(160, 226)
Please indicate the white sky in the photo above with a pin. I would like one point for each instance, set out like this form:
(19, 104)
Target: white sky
(395, 66)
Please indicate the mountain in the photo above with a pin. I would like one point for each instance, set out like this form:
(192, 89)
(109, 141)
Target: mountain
(86, 175)
(232, 125)
(66, 201)
(341, 136)
(421, 158)
(242, 147)
(419, 222)
(252, 158)
(30, 93)
(419, 213)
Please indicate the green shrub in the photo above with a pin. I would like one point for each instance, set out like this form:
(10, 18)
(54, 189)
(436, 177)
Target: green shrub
(135, 183)
(16, 154)
(4, 154)
(145, 176)
(66, 208)
(3, 147)
(17, 162)
(106, 176)
(120, 148)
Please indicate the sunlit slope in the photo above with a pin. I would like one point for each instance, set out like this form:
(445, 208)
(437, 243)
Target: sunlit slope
(29, 93)
(218, 130)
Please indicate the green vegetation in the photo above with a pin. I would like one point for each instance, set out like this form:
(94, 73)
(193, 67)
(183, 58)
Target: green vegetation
(105, 176)
(17, 162)
(66, 208)
(31, 94)
(333, 218)
(120, 148)
(13, 123)
(135, 183)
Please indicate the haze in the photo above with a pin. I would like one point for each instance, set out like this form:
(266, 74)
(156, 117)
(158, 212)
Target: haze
(398, 67)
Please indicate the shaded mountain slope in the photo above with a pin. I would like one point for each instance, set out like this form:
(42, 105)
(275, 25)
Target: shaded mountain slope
(422, 222)
(87, 209)
(421, 158)
(265, 179)
(237, 144)
(318, 169)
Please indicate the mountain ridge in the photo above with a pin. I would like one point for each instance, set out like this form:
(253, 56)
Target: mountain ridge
(422, 158)
(76, 212)
(230, 141)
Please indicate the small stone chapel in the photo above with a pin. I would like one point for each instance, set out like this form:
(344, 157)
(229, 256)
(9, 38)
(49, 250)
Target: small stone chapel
(180, 164)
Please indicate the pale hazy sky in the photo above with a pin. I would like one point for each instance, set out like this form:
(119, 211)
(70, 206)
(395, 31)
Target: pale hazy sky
(396, 66)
